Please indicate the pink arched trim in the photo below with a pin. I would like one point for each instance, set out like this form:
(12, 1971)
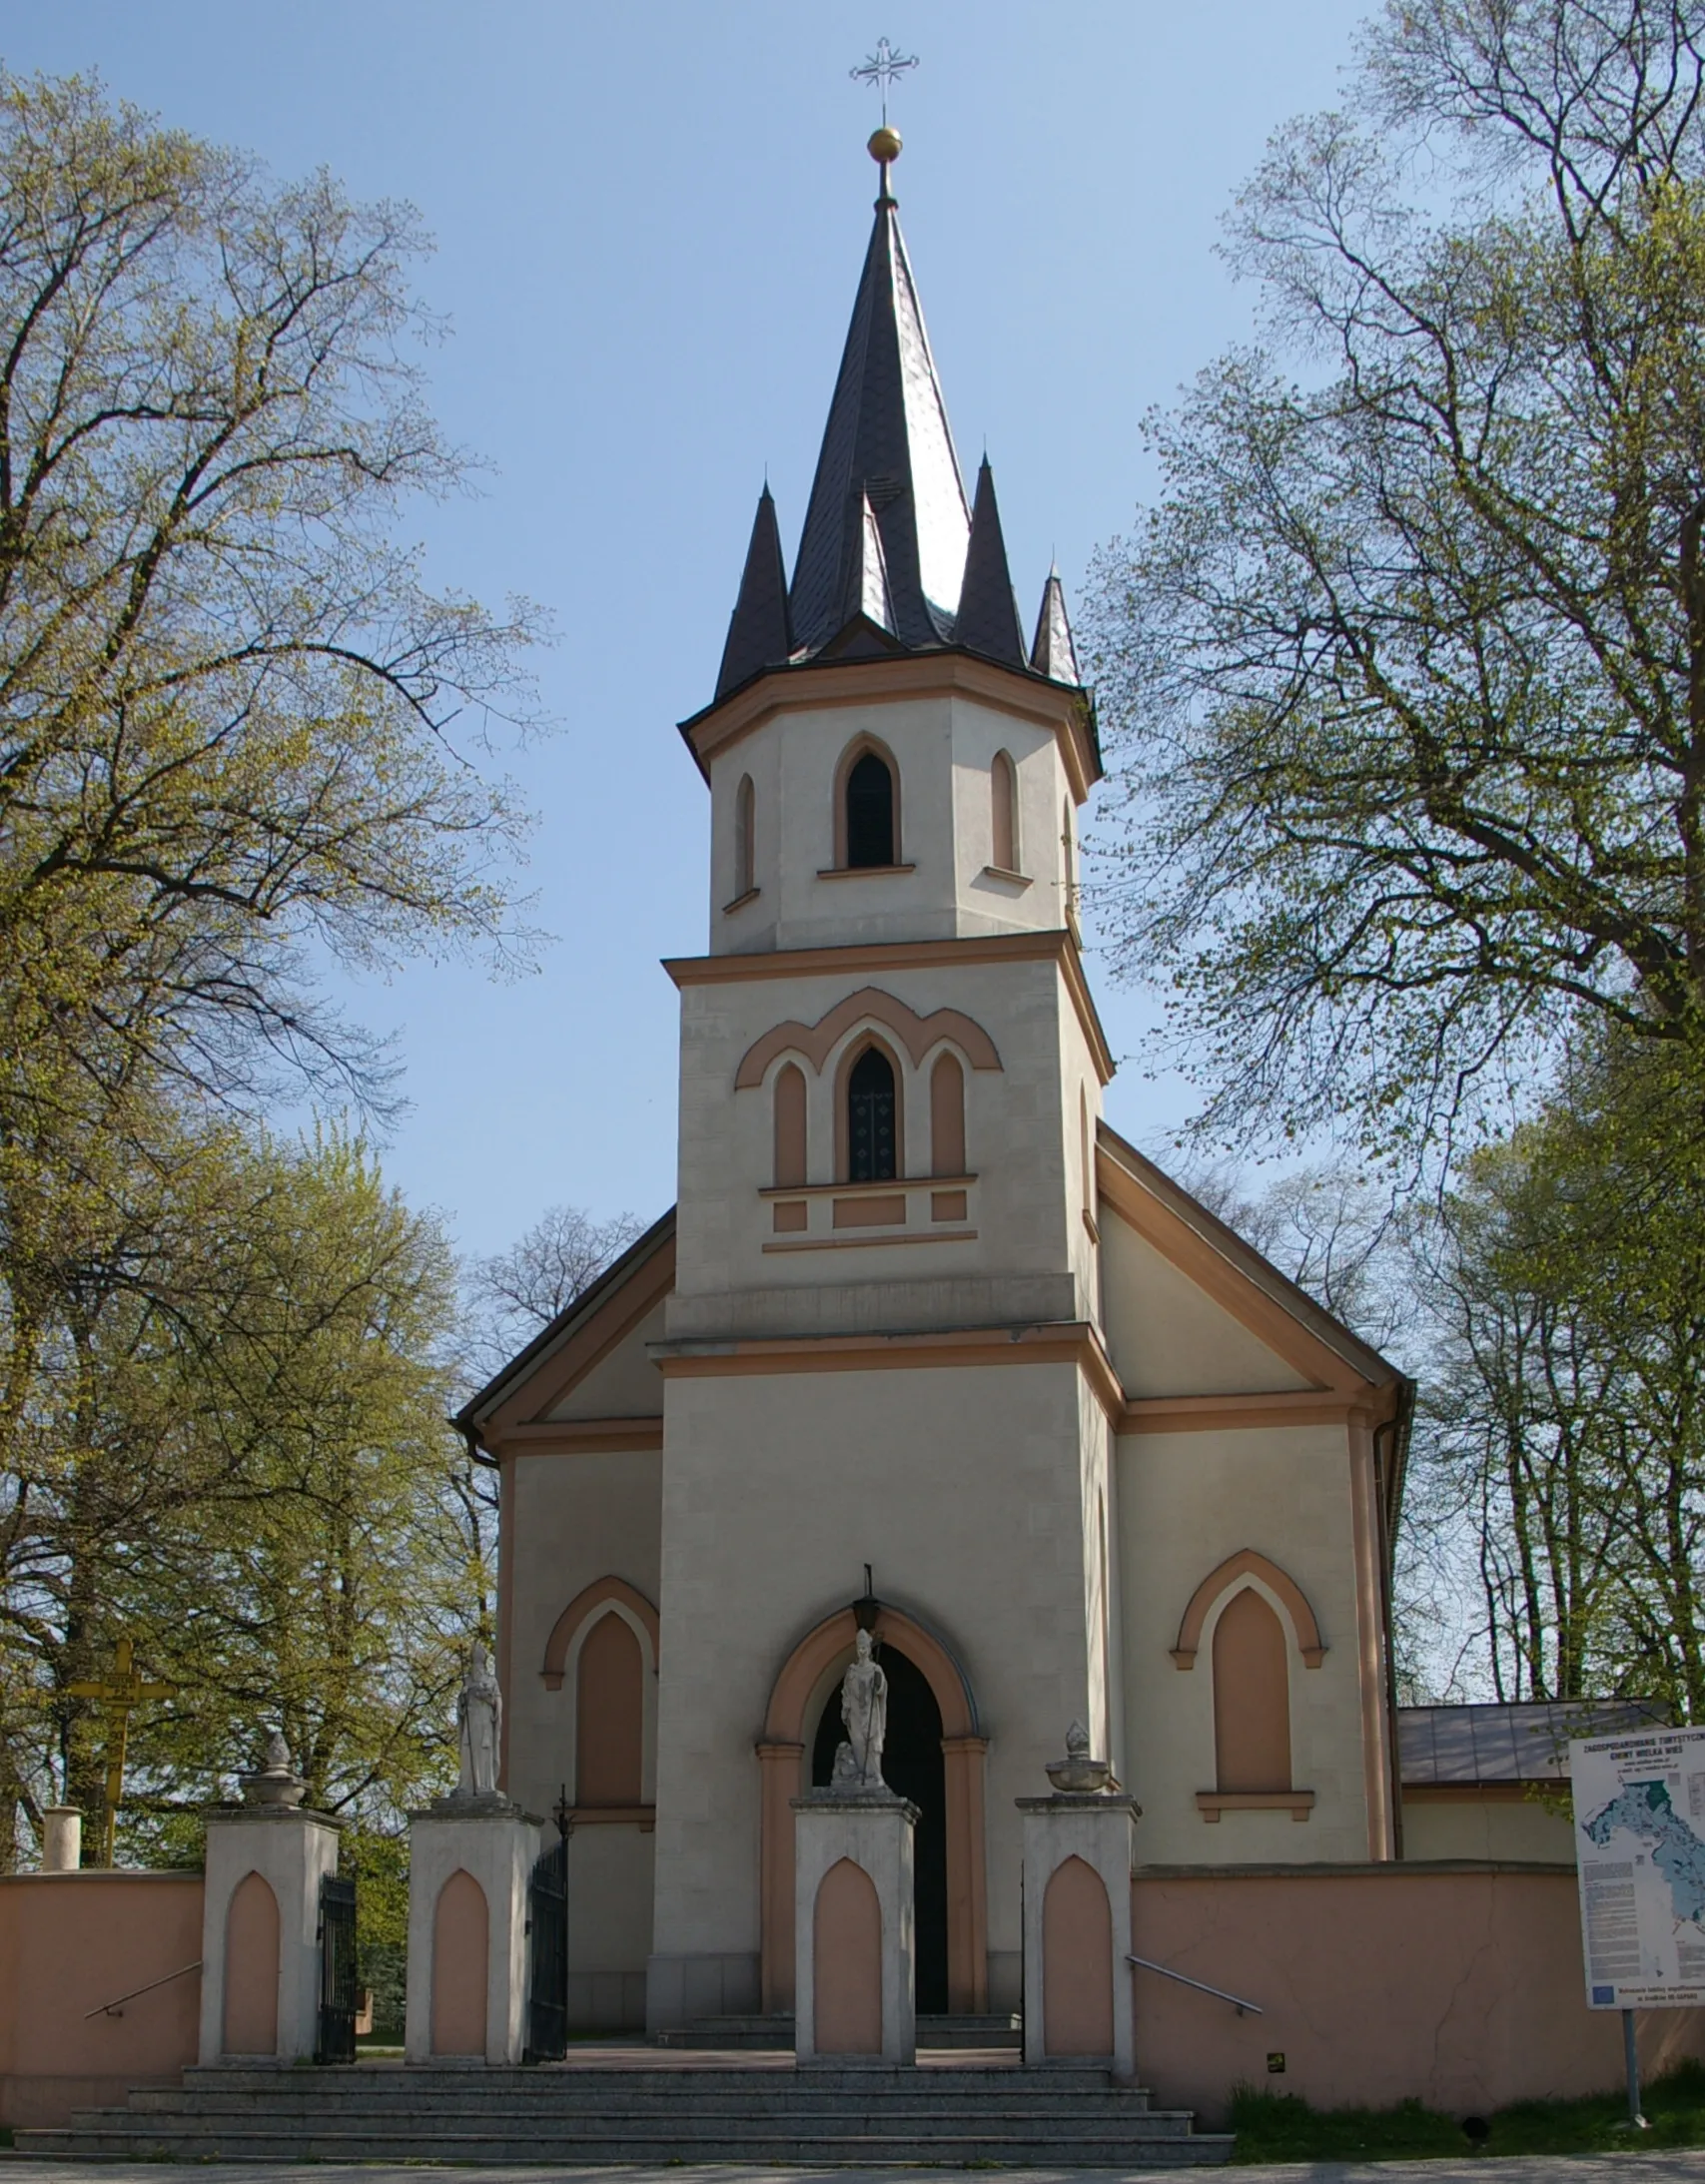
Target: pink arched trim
(783, 1759)
(915, 1032)
(785, 1721)
(1284, 1589)
(581, 1609)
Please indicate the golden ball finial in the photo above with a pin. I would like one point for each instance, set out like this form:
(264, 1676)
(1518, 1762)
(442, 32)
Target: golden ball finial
(885, 145)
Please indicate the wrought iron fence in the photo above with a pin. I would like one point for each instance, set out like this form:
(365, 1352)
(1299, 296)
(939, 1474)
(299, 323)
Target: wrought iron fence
(338, 1997)
(548, 1924)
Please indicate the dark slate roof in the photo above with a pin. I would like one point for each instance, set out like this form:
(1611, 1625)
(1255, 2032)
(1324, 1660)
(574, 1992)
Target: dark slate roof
(987, 622)
(1527, 1743)
(759, 631)
(1051, 653)
(890, 558)
(887, 439)
(865, 589)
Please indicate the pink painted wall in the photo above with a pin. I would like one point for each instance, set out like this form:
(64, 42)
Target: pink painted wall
(69, 1943)
(1456, 1986)
(1077, 1963)
(252, 1969)
(462, 1950)
(847, 1957)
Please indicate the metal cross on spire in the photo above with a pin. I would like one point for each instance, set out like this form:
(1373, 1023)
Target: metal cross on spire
(880, 69)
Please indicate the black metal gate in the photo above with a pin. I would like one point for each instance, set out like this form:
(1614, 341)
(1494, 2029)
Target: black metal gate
(338, 1994)
(547, 1923)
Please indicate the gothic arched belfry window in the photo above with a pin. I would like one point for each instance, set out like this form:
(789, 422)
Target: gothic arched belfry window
(745, 847)
(871, 1134)
(870, 813)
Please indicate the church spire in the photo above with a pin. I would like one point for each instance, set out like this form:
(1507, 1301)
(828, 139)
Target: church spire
(758, 633)
(888, 441)
(988, 614)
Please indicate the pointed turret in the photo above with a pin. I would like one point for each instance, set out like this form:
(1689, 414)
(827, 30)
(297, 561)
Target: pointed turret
(1051, 654)
(988, 613)
(891, 559)
(887, 441)
(758, 632)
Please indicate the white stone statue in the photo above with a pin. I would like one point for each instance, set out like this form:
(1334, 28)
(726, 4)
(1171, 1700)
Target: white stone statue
(479, 1719)
(864, 1711)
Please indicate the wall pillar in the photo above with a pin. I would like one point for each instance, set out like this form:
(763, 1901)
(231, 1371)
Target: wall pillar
(782, 1764)
(61, 1839)
(966, 1893)
(1098, 1827)
(493, 1841)
(873, 1833)
(293, 1850)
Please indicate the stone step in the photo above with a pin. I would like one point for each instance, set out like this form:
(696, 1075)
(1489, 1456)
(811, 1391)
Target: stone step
(1060, 2111)
(505, 2117)
(1043, 2148)
(993, 2029)
(417, 2082)
(580, 2114)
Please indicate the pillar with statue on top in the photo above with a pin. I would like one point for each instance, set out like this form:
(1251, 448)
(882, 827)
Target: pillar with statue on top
(471, 1859)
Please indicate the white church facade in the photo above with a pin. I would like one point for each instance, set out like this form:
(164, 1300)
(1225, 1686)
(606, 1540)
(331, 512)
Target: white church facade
(924, 1347)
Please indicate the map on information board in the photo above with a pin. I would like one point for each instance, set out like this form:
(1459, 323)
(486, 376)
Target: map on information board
(1640, 1848)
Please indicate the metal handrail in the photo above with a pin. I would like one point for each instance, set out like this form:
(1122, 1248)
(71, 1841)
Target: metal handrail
(1243, 2009)
(114, 2008)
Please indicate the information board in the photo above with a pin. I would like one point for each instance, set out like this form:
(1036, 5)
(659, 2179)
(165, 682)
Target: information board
(1639, 1806)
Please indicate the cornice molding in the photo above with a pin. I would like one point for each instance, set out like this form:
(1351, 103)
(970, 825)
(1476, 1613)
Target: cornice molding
(1242, 1413)
(1047, 1342)
(815, 686)
(579, 1437)
(1052, 944)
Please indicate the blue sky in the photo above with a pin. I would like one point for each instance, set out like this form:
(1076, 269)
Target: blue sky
(650, 222)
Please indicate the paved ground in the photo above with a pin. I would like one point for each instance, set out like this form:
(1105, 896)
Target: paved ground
(1628, 2168)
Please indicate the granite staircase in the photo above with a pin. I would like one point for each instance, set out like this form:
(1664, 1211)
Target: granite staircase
(942, 2115)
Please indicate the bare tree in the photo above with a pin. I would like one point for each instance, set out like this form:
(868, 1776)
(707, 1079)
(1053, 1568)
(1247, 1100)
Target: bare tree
(514, 1293)
(1405, 672)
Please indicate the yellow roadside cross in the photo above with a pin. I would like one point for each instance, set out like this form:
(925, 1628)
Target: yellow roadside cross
(119, 1696)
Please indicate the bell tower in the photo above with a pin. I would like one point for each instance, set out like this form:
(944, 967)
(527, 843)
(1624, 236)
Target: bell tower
(883, 1344)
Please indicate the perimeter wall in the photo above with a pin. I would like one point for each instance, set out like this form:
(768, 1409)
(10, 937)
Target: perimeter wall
(1457, 1984)
(72, 1942)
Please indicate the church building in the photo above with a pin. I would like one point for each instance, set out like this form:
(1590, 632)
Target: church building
(924, 1347)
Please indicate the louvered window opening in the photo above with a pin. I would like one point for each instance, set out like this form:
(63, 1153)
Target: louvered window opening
(870, 1120)
(870, 813)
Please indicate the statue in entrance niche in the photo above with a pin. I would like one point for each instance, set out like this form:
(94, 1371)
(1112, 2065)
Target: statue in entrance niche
(478, 1718)
(864, 1712)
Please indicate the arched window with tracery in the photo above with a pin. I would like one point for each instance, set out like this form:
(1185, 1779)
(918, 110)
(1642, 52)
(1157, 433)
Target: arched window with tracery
(1003, 799)
(790, 1125)
(1251, 1697)
(947, 1116)
(872, 1135)
(868, 821)
(745, 846)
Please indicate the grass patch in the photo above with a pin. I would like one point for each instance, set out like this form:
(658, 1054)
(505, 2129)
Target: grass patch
(1281, 2127)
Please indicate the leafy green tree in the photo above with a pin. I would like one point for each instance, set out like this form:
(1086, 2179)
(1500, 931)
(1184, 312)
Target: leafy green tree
(228, 701)
(1406, 669)
(1564, 1419)
(256, 1482)
(239, 735)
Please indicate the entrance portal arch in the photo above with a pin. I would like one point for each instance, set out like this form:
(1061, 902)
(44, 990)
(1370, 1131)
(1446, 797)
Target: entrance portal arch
(785, 1760)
